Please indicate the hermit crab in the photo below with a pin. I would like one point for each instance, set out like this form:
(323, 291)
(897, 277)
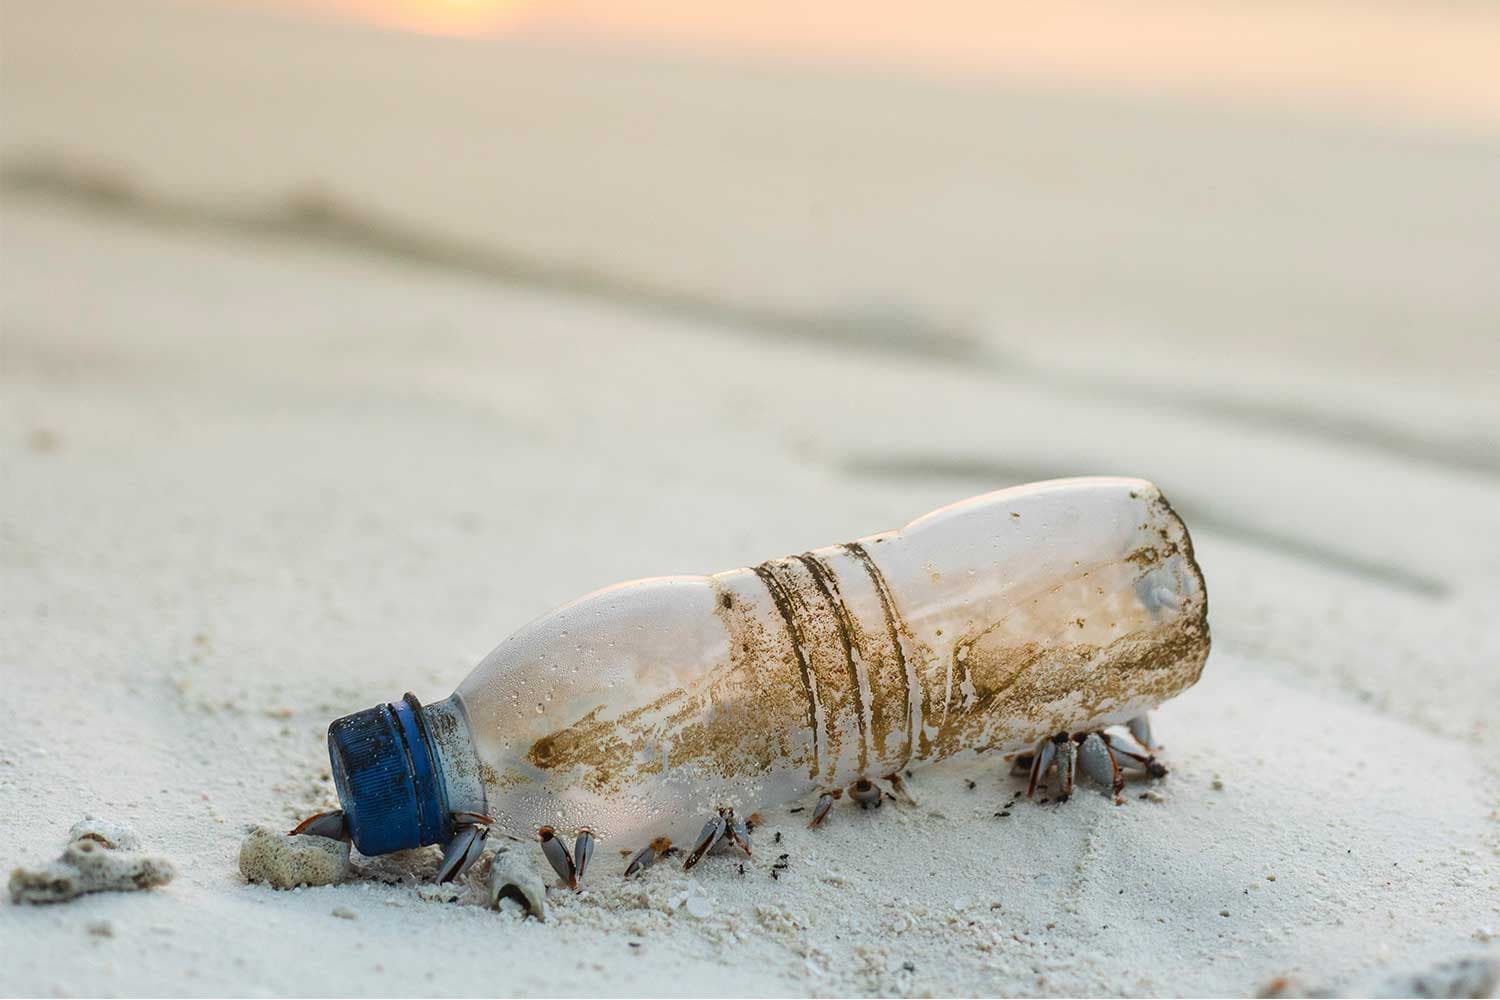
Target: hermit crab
(669, 711)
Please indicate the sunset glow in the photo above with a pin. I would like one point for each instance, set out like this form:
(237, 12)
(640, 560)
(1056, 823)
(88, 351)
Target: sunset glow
(1322, 52)
(432, 17)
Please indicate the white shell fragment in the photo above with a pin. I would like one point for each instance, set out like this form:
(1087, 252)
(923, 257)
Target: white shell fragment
(993, 623)
(512, 879)
(100, 858)
(692, 901)
(284, 861)
(115, 836)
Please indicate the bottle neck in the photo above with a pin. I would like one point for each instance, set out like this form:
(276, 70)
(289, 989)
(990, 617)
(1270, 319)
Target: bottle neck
(452, 746)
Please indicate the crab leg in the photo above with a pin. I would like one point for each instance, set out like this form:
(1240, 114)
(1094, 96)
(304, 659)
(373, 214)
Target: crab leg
(1067, 767)
(640, 860)
(820, 811)
(1046, 751)
(332, 824)
(583, 850)
(1140, 729)
(737, 832)
(1133, 759)
(558, 856)
(470, 830)
(648, 855)
(462, 851)
(712, 831)
(899, 788)
(471, 819)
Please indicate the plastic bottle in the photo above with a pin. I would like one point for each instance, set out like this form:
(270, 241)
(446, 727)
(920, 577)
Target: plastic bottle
(639, 709)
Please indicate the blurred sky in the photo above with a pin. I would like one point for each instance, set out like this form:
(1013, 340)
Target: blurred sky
(1292, 204)
(1420, 58)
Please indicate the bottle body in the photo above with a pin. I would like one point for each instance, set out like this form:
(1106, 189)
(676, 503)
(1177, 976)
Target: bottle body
(638, 710)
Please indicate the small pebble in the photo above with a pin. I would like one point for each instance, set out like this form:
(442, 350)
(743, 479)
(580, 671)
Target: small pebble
(344, 913)
(283, 861)
(101, 928)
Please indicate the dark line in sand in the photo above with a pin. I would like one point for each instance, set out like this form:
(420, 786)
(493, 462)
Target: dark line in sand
(997, 475)
(312, 215)
(315, 216)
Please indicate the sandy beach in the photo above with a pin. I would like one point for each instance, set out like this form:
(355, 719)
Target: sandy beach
(322, 373)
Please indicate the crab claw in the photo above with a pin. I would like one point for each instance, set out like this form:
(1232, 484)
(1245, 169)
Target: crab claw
(558, 856)
(583, 849)
(866, 794)
(1096, 761)
(513, 879)
(332, 824)
(707, 838)
(820, 811)
(647, 856)
(462, 851)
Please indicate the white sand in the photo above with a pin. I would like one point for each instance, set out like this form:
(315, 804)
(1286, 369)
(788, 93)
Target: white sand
(252, 482)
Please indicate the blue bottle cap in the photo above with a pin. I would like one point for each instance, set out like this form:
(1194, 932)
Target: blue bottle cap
(387, 777)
